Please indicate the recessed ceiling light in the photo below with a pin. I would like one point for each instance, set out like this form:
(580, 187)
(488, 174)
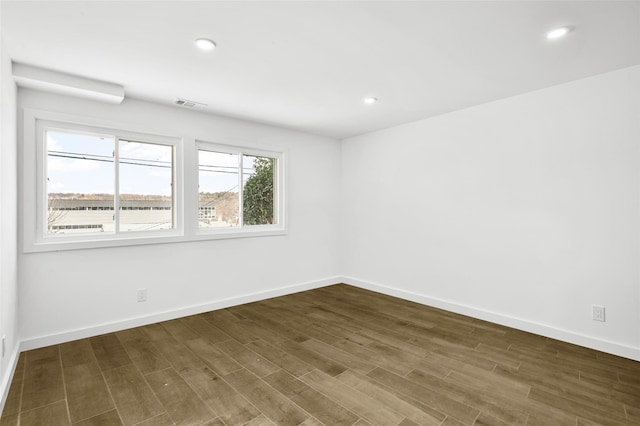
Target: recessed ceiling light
(559, 32)
(205, 44)
(370, 100)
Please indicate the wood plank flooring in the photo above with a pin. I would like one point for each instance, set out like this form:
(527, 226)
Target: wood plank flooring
(338, 355)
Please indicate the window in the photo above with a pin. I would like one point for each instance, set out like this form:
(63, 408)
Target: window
(80, 182)
(146, 186)
(87, 184)
(104, 184)
(96, 186)
(218, 190)
(238, 189)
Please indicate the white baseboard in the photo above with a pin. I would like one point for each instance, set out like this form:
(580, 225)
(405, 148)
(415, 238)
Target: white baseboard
(8, 376)
(525, 325)
(68, 336)
(518, 323)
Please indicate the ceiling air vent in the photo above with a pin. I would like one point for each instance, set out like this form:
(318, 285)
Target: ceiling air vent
(188, 104)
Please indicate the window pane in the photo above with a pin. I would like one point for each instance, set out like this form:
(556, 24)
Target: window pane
(80, 183)
(258, 199)
(146, 190)
(218, 189)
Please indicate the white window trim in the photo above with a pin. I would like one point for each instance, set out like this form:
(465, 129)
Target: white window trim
(32, 191)
(279, 228)
(35, 238)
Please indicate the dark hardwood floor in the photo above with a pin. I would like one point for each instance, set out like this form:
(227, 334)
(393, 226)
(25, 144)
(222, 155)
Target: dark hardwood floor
(338, 355)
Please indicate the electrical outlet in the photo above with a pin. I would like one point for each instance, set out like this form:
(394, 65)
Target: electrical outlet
(142, 295)
(598, 313)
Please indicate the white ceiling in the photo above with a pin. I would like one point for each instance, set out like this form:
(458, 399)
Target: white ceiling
(308, 65)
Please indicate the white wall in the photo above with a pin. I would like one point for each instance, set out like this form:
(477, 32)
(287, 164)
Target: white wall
(95, 290)
(8, 221)
(524, 211)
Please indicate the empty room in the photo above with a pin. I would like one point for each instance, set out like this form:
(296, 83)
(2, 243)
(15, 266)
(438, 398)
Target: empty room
(320, 213)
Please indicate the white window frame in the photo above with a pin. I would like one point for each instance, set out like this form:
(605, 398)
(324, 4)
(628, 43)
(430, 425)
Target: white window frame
(33, 195)
(34, 191)
(242, 230)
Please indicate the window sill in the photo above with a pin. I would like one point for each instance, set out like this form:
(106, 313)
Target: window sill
(235, 233)
(61, 244)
